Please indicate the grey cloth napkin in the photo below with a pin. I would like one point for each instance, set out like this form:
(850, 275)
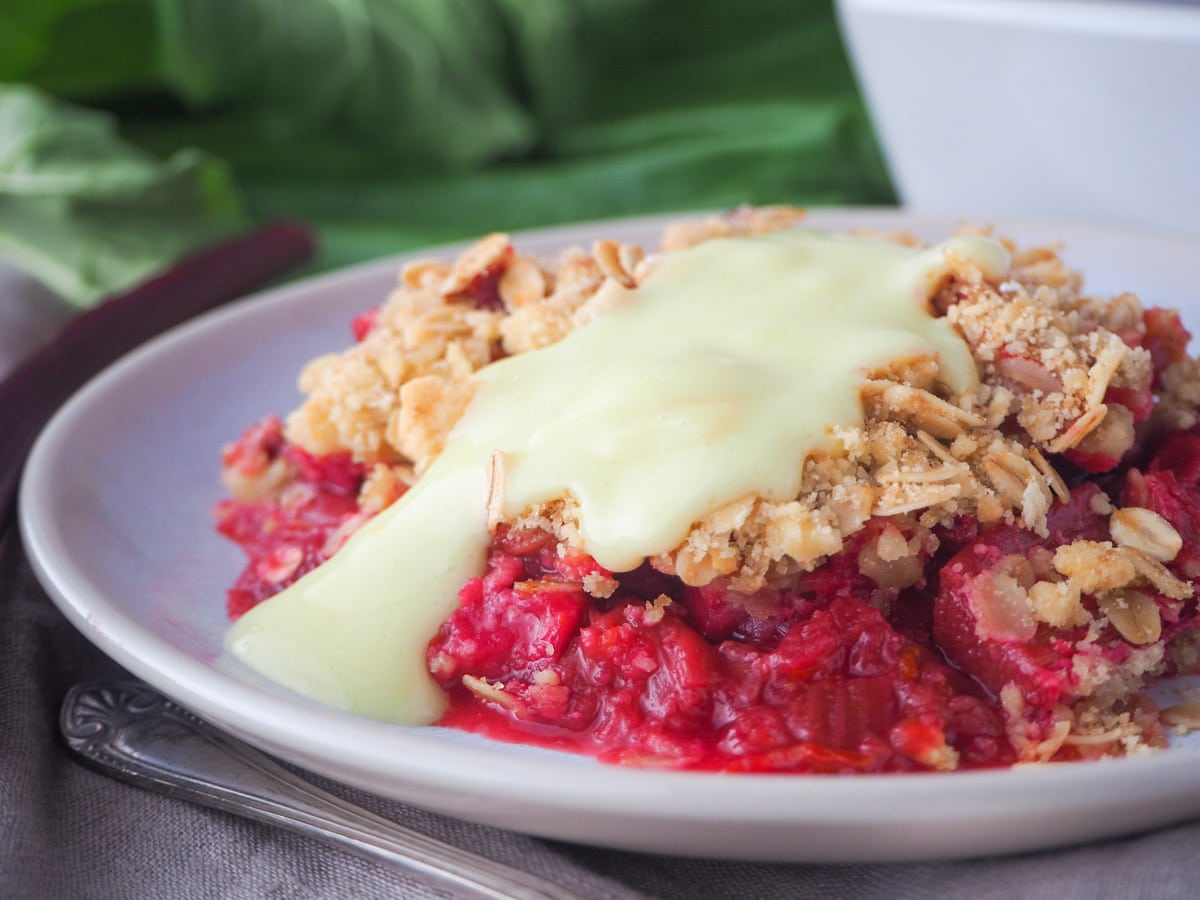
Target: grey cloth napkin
(69, 832)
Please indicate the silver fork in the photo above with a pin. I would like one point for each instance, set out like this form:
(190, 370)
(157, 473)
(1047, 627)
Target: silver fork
(129, 731)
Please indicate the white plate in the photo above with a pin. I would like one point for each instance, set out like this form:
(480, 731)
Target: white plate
(115, 514)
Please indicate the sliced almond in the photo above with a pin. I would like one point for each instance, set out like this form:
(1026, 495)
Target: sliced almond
(424, 273)
(1052, 477)
(474, 262)
(937, 448)
(1108, 361)
(612, 258)
(1006, 484)
(495, 490)
(521, 284)
(485, 690)
(892, 502)
(1079, 429)
(1157, 574)
(1145, 530)
(1134, 614)
(927, 411)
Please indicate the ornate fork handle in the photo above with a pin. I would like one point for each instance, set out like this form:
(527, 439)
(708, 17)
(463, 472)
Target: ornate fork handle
(129, 731)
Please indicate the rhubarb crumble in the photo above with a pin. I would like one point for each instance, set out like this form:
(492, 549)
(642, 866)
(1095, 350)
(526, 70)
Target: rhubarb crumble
(973, 569)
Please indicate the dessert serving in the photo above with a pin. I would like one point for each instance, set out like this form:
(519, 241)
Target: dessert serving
(762, 499)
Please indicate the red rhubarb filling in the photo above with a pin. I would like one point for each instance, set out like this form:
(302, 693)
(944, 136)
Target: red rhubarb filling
(295, 530)
(823, 684)
(821, 672)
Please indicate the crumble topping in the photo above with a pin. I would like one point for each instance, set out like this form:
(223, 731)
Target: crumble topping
(1047, 354)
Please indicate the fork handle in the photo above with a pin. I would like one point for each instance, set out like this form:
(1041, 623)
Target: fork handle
(129, 731)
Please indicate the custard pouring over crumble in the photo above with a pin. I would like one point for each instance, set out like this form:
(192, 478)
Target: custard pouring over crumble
(971, 571)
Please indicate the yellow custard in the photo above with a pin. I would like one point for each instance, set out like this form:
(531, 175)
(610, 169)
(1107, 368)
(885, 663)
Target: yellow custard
(715, 378)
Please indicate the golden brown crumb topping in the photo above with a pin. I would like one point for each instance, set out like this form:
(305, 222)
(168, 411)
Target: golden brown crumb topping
(1047, 356)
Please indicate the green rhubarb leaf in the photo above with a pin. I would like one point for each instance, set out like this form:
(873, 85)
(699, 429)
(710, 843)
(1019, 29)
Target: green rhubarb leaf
(88, 214)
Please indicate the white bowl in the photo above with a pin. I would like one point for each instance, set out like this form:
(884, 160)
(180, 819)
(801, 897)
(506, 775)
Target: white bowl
(1076, 109)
